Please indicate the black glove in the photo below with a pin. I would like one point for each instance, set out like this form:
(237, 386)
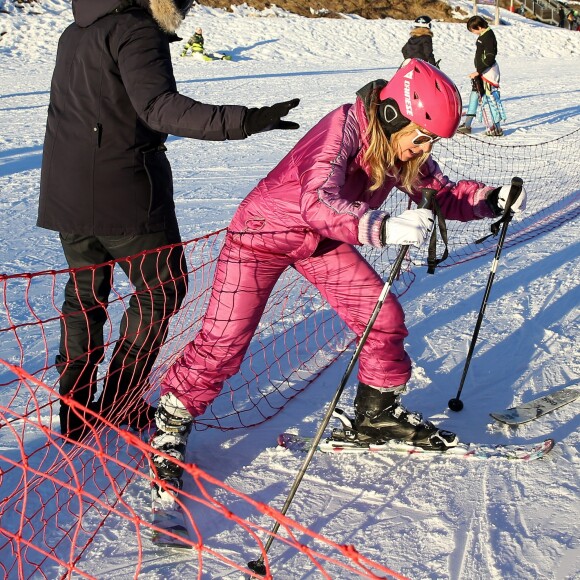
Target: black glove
(268, 118)
(491, 201)
(477, 85)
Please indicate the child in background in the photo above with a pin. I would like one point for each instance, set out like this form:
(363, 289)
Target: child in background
(195, 43)
(420, 43)
(484, 81)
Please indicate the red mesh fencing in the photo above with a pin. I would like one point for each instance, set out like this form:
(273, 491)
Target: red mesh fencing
(57, 495)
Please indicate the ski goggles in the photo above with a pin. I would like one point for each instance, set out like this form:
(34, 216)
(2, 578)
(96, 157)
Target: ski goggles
(422, 138)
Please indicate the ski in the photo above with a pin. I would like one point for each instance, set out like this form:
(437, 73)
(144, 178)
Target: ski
(168, 516)
(526, 452)
(208, 56)
(526, 412)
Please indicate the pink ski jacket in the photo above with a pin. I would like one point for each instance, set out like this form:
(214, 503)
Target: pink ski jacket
(321, 190)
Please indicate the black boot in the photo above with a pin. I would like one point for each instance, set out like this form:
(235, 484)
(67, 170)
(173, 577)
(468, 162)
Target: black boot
(380, 416)
(141, 417)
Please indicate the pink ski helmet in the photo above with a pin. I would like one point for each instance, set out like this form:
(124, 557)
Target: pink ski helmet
(424, 95)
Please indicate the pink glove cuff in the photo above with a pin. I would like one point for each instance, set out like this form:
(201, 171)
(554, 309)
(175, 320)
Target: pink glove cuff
(369, 228)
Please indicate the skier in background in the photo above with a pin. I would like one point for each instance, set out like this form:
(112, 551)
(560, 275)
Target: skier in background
(106, 187)
(195, 43)
(310, 212)
(561, 17)
(484, 81)
(420, 43)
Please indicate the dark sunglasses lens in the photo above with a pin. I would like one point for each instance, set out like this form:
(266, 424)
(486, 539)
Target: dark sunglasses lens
(422, 139)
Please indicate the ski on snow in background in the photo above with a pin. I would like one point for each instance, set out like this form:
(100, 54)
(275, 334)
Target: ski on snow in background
(526, 412)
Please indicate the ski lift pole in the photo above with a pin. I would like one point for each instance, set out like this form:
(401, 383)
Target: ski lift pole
(258, 567)
(456, 404)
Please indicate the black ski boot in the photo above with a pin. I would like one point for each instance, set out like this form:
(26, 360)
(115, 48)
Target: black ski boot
(173, 428)
(380, 416)
(141, 417)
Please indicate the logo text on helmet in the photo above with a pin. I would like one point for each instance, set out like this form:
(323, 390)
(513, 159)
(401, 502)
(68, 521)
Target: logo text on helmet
(407, 94)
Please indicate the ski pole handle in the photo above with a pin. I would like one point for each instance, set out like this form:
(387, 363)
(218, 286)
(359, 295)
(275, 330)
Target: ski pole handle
(427, 198)
(515, 190)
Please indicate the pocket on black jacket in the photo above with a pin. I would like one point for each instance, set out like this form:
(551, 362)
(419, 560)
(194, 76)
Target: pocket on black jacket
(161, 181)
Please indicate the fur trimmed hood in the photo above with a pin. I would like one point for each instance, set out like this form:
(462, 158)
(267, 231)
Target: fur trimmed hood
(165, 12)
(420, 32)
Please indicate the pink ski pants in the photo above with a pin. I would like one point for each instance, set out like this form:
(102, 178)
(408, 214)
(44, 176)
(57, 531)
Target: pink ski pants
(244, 279)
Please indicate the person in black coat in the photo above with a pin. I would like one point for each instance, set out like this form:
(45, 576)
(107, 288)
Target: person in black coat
(106, 187)
(420, 43)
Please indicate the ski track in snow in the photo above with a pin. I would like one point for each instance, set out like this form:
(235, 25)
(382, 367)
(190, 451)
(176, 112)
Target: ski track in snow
(428, 518)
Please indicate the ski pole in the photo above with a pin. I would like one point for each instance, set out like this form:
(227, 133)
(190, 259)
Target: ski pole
(456, 404)
(257, 566)
(485, 101)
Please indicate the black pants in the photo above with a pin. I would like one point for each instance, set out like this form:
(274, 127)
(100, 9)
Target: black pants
(159, 279)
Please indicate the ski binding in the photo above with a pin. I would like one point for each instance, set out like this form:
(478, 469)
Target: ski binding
(345, 440)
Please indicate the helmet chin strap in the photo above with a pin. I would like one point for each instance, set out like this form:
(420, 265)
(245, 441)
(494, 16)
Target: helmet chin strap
(390, 117)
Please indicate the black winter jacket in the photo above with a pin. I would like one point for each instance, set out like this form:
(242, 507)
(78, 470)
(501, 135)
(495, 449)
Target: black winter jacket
(485, 51)
(420, 45)
(113, 101)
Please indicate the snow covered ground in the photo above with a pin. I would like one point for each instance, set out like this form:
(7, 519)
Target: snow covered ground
(426, 518)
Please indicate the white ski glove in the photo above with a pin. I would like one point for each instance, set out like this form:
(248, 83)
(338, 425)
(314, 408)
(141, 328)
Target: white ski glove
(497, 199)
(410, 228)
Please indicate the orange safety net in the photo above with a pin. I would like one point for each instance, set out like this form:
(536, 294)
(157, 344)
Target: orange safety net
(57, 494)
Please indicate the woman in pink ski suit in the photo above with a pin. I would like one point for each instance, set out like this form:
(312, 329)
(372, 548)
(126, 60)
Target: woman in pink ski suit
(310, 212)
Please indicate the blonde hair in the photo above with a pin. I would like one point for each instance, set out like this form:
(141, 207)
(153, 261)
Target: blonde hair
(381, 154)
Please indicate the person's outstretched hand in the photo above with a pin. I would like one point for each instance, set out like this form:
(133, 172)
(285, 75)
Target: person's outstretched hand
(268, 118)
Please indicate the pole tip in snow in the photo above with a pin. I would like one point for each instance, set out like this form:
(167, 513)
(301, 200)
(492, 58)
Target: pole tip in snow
(257, 567)
(455, 405)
